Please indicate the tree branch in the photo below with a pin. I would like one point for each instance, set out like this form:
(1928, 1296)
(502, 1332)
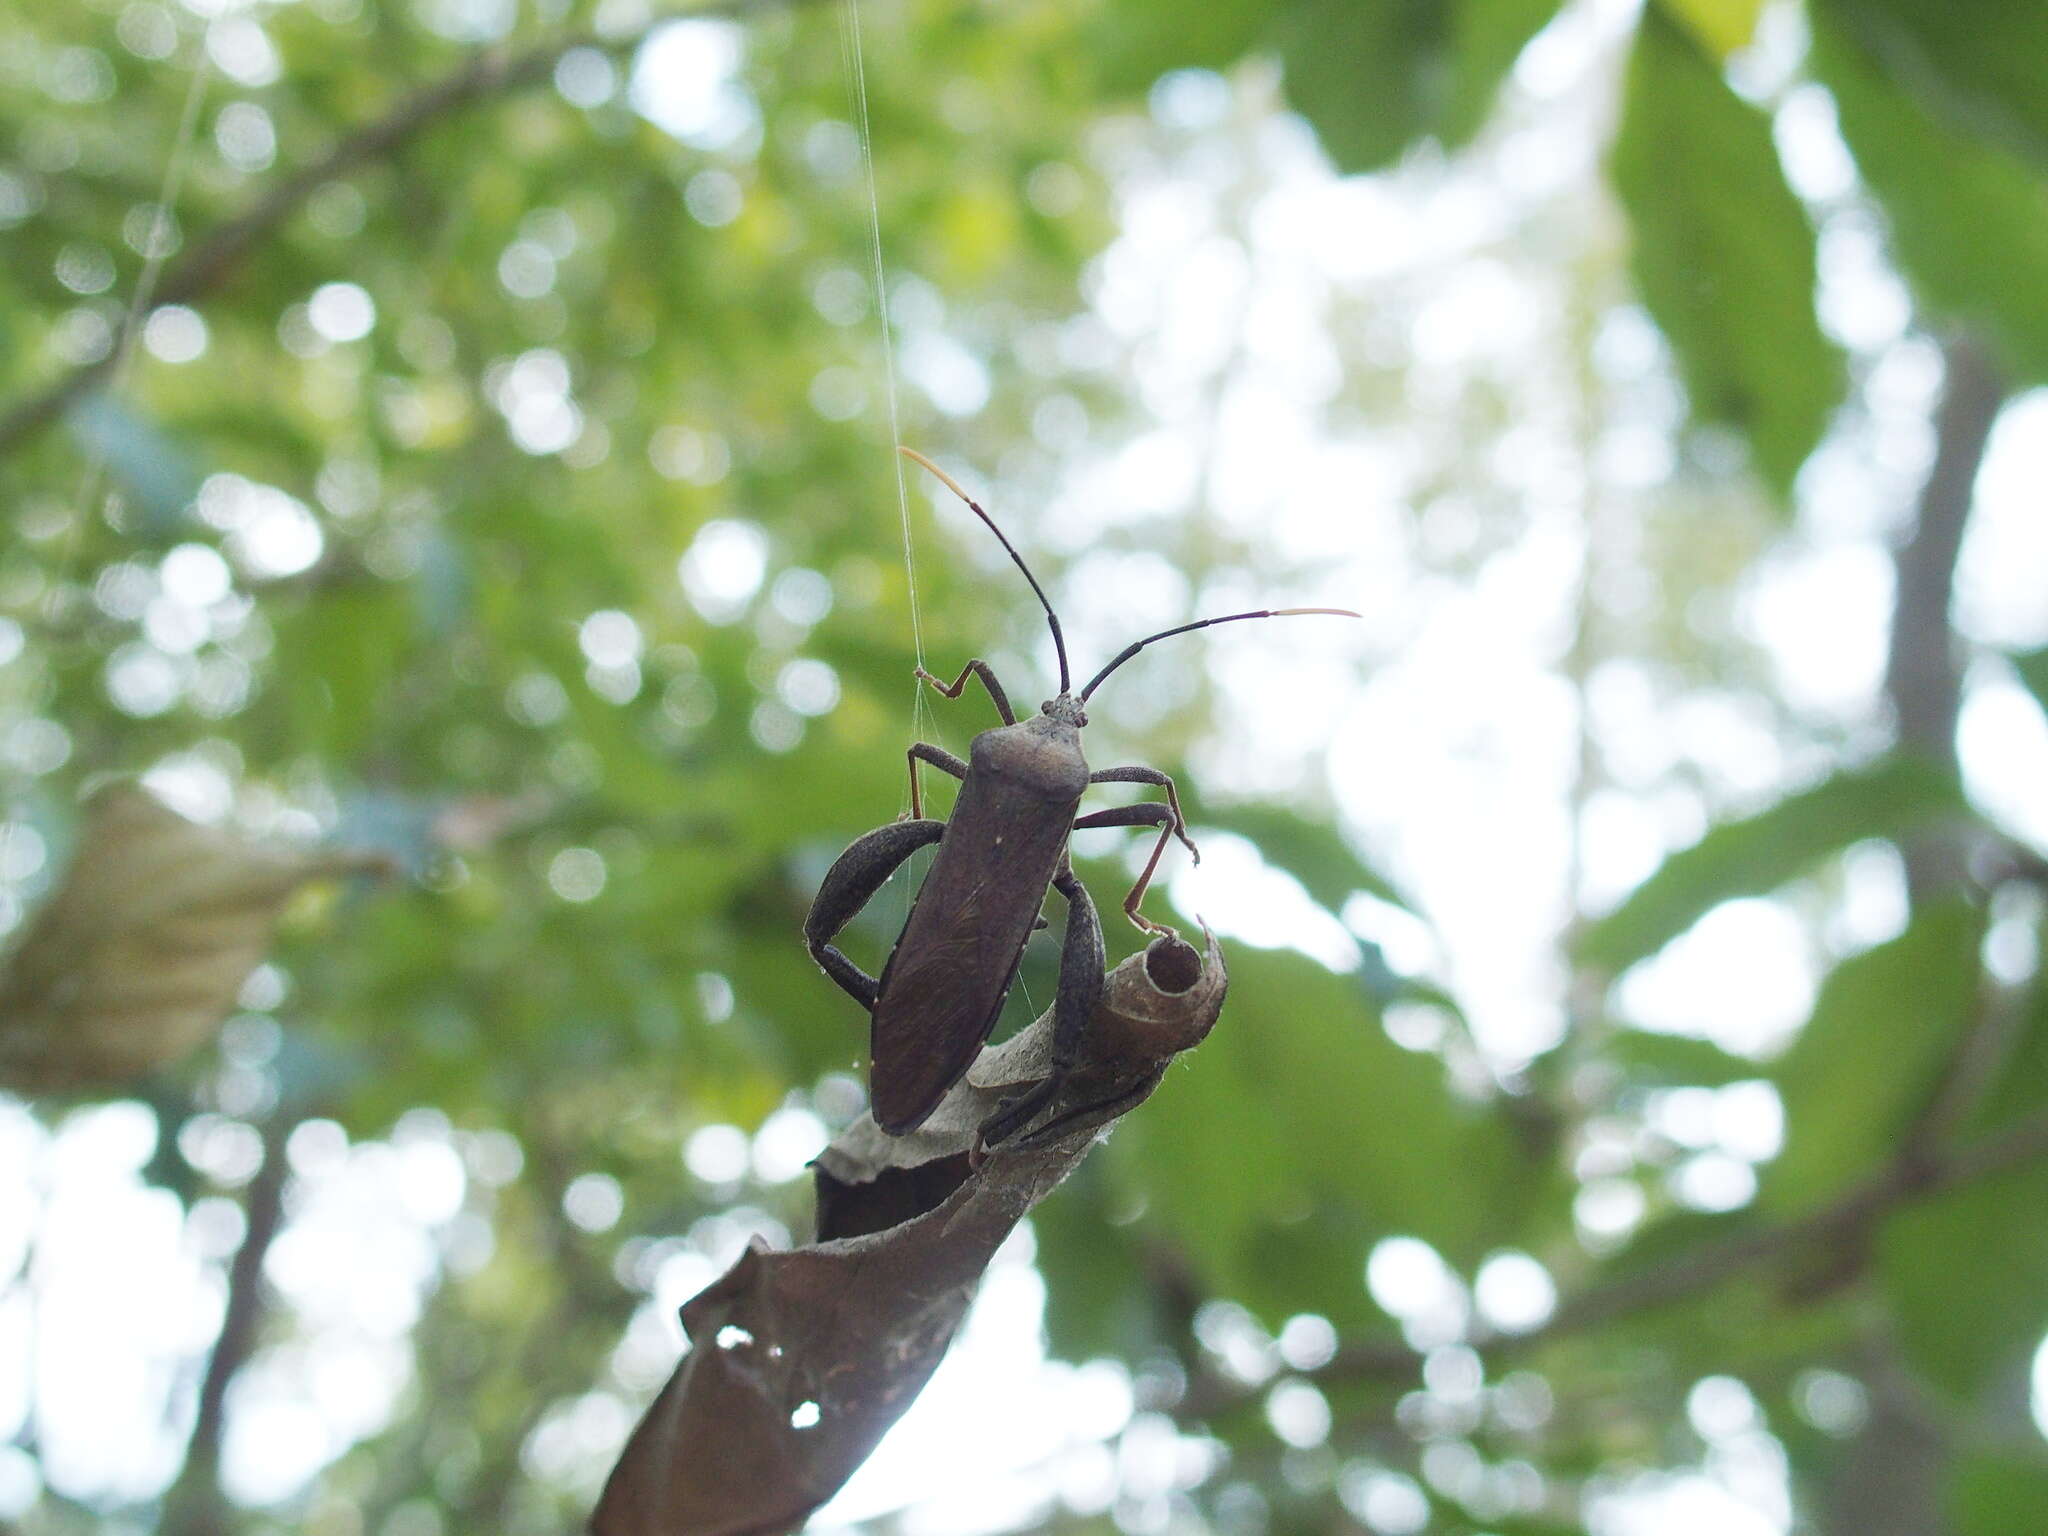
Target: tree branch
(1908, 1178)
(1891, 1480)
(1923, 683)
(209, 263)
(1923, 677)
(195, 1506)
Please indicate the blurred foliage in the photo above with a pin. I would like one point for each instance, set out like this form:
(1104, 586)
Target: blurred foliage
(1723, 253)
(510, 499)
(1884, 1025)
(1965, 213)
(1759, 853)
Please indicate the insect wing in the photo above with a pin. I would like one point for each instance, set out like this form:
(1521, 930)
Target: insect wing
(945, 982)
(940, 1001)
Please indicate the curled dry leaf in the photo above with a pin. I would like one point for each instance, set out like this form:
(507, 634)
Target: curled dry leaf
(801, 1361)
(140, 952)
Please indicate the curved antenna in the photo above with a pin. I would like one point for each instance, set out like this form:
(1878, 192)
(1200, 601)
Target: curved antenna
(1136, 646)
(1058, 640)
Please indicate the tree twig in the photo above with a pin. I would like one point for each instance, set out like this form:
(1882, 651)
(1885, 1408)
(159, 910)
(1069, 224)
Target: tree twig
(1923, 680)
(1903, 1181)
(211, 261)
(196, 1506)
(1923, 684)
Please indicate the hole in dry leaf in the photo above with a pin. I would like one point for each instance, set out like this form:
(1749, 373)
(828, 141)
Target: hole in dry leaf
(733, 1336)
(1173, 964)
(805, 1415)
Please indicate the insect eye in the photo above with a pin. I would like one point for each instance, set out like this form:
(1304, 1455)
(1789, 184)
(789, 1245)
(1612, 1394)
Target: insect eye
(1045, 706)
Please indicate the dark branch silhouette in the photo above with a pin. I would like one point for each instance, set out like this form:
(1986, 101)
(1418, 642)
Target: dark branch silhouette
(196, 1505)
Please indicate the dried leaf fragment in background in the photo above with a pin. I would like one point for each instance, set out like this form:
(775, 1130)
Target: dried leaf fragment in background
(801, 1361)
(139, 953)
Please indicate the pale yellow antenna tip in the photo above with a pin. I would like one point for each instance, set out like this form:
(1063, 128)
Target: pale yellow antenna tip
(1342, 613)
(945, 479)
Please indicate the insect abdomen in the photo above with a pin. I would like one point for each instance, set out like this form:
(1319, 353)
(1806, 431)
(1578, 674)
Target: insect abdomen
(943, 987)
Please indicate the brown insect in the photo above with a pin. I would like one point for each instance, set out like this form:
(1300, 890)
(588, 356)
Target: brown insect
(943, 985)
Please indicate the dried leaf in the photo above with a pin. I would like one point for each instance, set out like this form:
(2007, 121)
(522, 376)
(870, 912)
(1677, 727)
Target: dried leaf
(139, 954)
(801, 1361)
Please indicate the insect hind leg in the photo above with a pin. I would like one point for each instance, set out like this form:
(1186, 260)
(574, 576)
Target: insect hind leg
(1138, 773)
(1082, 977)
(848, 885)
(1148, 813)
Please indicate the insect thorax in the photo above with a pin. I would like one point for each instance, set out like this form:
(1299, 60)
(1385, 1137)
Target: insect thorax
(1043, 753)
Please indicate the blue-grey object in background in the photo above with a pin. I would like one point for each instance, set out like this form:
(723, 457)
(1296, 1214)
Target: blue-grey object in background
(158, 475)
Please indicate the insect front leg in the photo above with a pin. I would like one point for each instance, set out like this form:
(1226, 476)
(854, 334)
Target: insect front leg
(1150, 814)
(854, 877)
(975, 668)
(939, 758)
(1082, 971)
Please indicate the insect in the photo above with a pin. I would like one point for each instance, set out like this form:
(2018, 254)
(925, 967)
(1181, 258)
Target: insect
(943, 985)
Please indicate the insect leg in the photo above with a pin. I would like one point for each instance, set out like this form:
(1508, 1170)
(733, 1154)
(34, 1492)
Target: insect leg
(981, 669)
(1137, 773)
(1150, 814)
(854, 877)
(938, 757)
(1106, 1109)
(1082, 972)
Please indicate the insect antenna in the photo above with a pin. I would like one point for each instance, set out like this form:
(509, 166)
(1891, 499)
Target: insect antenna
(1136, 646)
(1058, 641)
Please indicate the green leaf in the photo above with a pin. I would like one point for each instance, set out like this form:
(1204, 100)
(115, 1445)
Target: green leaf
(1966, 1275)
(1298, 1123)
(2033, 669)
(1884, 1023)
(1660, 1060)
(1100, 1296)
(1311, 851)
(1369, 74)
(1134, 44)
(351, 644)
(1968, 219)
(1998, 1495)
(1976, 62)
(1722, 252)
(1966, 1272)
(1374, 76)
(1762, 852)
(1487, 36)
(1720, 26)
(2020, 1089)
(1228, 1173)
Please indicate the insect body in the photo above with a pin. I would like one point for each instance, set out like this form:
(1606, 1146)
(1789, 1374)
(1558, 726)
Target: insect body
(943, 986)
